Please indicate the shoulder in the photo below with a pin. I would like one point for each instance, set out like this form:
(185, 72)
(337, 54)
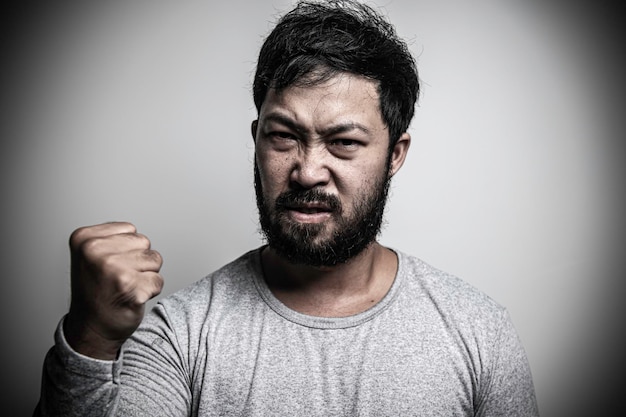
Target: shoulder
(179, 323)
(226, 282)
(231, 285)
(449, 297)
(190, 314)
(457, 314)
(478, 330)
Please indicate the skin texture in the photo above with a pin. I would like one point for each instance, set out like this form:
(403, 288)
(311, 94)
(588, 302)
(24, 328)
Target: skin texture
(329, 137)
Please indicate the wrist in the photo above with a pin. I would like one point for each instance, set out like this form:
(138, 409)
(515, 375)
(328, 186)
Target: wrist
(84, 339)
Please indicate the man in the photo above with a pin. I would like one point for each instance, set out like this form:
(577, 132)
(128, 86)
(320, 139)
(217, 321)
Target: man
(321, 321)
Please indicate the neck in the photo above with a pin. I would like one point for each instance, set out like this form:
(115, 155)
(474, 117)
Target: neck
(335, 291)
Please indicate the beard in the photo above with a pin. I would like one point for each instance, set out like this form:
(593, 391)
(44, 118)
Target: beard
(303, 243)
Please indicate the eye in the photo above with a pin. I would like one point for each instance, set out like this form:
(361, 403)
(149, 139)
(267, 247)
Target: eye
(344, 148)
(281, 140)
(282, 135)
(345, 144)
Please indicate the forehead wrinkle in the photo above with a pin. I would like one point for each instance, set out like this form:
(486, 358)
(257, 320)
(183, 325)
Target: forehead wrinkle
(334, 129)
(344, 127)
(327, 125)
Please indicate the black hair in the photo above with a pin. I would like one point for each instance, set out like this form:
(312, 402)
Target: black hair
(316, 40)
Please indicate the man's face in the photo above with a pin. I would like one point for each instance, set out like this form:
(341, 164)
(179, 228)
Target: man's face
(322, 169)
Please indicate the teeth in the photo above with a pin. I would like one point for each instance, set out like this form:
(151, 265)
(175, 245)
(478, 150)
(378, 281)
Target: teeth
(310, 210)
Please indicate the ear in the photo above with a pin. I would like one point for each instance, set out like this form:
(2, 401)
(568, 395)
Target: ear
(399, 152)
(253, 129)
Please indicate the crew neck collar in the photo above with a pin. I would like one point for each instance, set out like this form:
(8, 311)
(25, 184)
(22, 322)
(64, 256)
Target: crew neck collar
(325, 322)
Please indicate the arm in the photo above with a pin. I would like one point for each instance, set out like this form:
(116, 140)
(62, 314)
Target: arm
(508, 390)
(77, 385)
(150, 377)
(114, 273)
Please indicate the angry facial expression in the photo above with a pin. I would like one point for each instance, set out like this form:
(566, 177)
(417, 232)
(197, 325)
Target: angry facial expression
(322, 169)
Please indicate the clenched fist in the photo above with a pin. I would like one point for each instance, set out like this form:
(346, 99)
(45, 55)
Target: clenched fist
(114, 273)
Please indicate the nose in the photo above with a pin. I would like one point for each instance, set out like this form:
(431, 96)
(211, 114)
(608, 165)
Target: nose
(310, 169)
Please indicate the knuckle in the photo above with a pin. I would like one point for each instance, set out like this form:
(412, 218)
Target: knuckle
(141, 240)
(151, 287)
(158, 283)
(154, 256)
(137, 288)
(107, 263)
(91, 248)
(124, 283)
(113, 228)
(77, 237)
(127, 225)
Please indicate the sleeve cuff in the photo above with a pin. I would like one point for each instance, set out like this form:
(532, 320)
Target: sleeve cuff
(80, 364)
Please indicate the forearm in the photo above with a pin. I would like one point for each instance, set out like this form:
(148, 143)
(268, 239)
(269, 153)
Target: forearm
(75, 385)
(147, 378)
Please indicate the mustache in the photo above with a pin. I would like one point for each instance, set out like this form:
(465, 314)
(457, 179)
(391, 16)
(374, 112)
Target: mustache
(296, 197)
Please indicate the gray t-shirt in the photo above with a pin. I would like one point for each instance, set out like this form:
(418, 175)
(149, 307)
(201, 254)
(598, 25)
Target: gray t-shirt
(225, 346)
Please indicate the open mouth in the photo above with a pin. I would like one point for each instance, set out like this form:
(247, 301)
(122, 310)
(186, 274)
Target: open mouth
(310, 208)
(309, 212)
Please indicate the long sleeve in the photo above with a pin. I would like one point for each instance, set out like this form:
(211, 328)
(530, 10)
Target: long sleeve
(226, 346)
(146, 379)
(76, 385)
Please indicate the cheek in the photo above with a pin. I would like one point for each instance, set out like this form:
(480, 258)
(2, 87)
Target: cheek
(362, 177)
(273, 173)
(353, 187)
(361, 184)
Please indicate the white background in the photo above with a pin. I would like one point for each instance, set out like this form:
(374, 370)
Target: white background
(140, 111)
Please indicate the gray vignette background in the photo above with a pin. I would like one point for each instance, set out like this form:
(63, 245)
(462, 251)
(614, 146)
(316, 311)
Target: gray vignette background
(140, 111)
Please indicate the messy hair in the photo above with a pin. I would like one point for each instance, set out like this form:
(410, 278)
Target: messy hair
(317, 40)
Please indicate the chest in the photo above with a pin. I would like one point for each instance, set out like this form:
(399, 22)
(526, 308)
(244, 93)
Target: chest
(274, 367)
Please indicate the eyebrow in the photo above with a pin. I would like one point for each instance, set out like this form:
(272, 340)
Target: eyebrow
(338, 128)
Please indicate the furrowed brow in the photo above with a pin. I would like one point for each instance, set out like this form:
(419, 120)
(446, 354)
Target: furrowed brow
(284, 120)
(337, 129)
(344, 128)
